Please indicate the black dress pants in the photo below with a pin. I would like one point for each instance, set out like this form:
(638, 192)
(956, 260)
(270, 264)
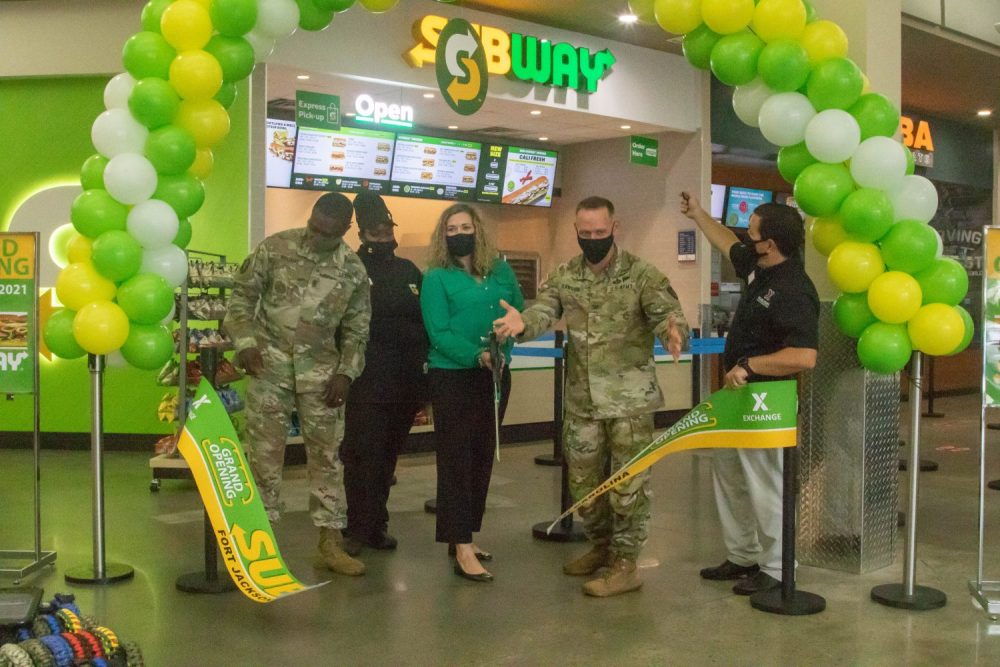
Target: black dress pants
(465, 439)
(374, 433)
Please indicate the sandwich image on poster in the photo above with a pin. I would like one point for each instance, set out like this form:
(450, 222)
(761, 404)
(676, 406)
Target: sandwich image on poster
(14, 330)
(530, 177)
(280, 141)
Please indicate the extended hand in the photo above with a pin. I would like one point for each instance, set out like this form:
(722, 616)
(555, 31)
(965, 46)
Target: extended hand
(250, 360)
(335, 394)
(486, 360)
(736, 378)
(510, 324)
(675, 341)
(690, 206)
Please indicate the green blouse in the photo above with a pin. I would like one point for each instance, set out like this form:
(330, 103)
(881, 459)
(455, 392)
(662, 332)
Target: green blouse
(459, 311)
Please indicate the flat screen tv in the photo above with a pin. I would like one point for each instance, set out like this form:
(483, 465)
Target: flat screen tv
(435, 168)
(345, 160)
(742, 202)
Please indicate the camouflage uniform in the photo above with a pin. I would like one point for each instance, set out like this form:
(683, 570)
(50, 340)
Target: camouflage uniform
(611, 387)
(307, 311)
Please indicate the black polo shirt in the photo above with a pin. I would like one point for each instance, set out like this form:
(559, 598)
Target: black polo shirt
(779, 308)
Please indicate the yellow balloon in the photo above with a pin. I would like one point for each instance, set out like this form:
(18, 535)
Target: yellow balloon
(379, 6)
(867, 84)
(678, 16)
(80, 283)
(727, 16)
(894, 297)
(936, 329)
(827, 234)
(643, 9)
(186, 25)
(823, 40)
(100, 327)
(196, 75)
(853, 265)
(203, 162)
(779, 19)
(206, 120)
(79, 249)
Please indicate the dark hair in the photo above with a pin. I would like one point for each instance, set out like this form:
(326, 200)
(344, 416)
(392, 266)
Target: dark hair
(370, 210)
(595, 203)
(783, 225)
(334, 205)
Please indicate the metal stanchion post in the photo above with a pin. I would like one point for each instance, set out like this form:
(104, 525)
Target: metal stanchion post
(930, 391)
(555, 459)
(100, 572)
(909, 595)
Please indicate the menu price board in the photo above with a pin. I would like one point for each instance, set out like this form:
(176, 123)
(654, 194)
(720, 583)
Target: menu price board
(346, 160)
(18, 308)
(435, 168)
(530, 177)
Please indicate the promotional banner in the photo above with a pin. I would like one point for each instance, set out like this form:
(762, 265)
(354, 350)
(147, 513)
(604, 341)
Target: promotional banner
(18, 306)
(212, 450)
(991, 316)
(760, 415)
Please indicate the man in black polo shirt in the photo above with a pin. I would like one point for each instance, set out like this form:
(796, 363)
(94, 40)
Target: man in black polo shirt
(773, 337)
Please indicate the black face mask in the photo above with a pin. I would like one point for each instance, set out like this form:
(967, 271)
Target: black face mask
(378, 249)
(594, 250)
(751, 245)
(461, 245)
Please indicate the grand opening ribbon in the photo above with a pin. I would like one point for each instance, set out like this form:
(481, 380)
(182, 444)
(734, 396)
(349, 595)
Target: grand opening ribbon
(759, 415)
(212, 450)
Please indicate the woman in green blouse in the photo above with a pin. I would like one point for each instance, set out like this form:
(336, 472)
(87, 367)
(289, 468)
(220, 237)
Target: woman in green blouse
(465, 281)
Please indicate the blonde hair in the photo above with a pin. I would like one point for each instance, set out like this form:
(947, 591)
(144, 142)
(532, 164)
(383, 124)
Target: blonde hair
(484, 254)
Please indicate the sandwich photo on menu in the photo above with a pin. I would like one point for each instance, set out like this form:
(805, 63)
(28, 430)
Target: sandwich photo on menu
(430, 150)
(428, 162)
(379, 171)
(530, 193)
(468, 179)
(384, 146)
(339, 142)
(427, 175)
(338, 155)
(470, 167)
(337, 168)
(13, 330)
(471, 156)
(382, 159)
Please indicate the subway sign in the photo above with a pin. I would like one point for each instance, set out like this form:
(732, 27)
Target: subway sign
(917, 137)
(520, 57)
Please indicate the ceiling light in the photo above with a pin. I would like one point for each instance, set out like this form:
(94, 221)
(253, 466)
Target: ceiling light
(302, 77)
(453, 127)
(628, 19)
(983, 113)
(536, 112)
(626, 127)
(543, 138)
(429, 96)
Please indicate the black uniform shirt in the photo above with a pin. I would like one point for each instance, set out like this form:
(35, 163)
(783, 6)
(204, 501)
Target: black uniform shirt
(779, 308)
(397, 340)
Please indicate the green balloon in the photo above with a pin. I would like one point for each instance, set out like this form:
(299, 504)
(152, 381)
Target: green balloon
(852, 315)
(152, 13)
(835, 83)
(884, 348)
(734, 58)
(821, 188)
(153, 102)
(944, 281)
(810, 11)
(59, 336)
(147, 54)
(171, 149)
(312, 17)
(94, 212)
(784, 65)
(337, 5)
(148, 346)
(146, 298)
(970, 330)
(234, 54)
(92, 172)
(183, 192)
(226, 95)
(184, 232)
(698, 45)
(116, 255)
(867, 214)
(911, 165)
(793, 159)
(877, 116)
(233, 18)
(910, 246)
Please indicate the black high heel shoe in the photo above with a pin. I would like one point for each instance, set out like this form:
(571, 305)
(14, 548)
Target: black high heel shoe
(482, 556)
(482, 577)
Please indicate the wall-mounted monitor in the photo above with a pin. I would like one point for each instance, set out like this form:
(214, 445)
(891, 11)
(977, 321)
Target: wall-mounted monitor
(529, 177)
(742, 202)
(718, 203)
(345, 160)
(435, 168)
(280, 142)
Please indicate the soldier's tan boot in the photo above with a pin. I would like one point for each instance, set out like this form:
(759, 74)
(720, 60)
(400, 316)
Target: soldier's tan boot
(588, 563)
(621, 577)
(334, 557)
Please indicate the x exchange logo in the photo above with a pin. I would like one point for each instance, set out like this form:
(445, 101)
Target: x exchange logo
(759, 402)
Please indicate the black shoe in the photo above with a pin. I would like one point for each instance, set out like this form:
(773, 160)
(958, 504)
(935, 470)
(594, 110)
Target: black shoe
(382, 541)
(728, 571)
(481, 556)
(351, 545)
(761, 581)
(483, 577)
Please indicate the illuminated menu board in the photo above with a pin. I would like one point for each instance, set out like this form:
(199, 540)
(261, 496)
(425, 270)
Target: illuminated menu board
(529, 177)
(345, 160)
(435, 168)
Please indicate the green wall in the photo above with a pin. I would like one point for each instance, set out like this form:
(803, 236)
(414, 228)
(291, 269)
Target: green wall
(46, 124)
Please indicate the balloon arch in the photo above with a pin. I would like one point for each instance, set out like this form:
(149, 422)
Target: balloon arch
(867, 211)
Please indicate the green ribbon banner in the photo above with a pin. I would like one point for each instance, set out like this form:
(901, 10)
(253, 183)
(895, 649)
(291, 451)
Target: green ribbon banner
(212, 450)
(760, 415)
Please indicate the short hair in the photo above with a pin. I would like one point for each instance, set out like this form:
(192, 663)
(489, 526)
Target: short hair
(334, 205)
(594, 204)
(783, 225)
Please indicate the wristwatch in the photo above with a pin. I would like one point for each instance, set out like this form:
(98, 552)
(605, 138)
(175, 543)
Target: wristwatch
(744, 363)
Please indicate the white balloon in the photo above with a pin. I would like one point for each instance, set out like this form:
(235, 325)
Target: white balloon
(832, 136)
(153, 223)
(915, 199)
(940, 243)
(115, 131)
(130, 178)
(748, 99)
(262, 45)
(784, 117)
(169, 319)
(117, 92)
(169, 262)
(276, 18)
(879, 162)
(115, 360)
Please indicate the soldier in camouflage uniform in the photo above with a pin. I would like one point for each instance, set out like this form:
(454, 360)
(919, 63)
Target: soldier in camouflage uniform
(613, 303)
(299, 317)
